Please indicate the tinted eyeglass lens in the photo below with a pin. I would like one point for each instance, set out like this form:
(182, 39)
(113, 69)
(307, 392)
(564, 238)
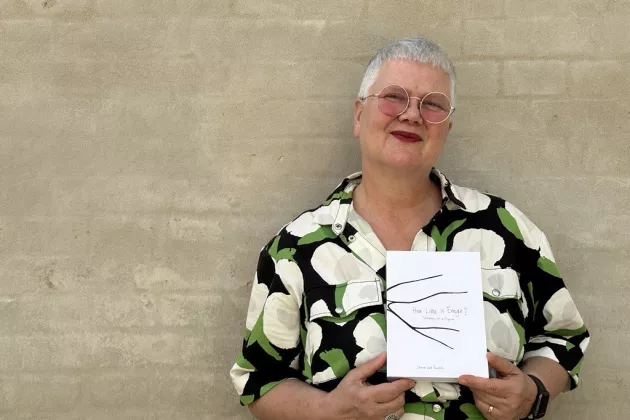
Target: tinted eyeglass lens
(435, 107)
(393, 100)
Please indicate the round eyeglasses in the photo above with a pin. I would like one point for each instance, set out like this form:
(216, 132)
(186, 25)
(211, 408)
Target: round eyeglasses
(393, 100)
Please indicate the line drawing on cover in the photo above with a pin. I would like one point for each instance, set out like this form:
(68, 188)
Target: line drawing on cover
(390, 303)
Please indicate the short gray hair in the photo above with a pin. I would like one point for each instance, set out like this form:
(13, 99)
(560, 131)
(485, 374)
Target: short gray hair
(420, 50)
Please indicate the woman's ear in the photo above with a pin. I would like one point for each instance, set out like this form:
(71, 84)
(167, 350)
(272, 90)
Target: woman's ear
(358, 109)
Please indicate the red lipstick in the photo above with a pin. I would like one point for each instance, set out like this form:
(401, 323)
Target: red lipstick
(406, 136)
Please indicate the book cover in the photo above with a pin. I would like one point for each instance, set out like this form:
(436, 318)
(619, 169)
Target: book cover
(435, 318)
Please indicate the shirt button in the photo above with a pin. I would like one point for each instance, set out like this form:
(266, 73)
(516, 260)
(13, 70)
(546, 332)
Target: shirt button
(496, 292)
(437, 408)
(339, 310)
(351, 238)
(337, 226)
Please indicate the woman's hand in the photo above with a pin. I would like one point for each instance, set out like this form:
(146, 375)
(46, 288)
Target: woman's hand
(508, 397)
(355, 399)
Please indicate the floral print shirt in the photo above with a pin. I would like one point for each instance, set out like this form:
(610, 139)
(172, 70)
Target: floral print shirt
(316, 309)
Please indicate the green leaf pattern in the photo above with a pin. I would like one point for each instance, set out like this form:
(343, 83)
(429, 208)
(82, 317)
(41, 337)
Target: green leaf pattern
(324, 232)
(509, 222)
(548, 266)
(441, 239)
(258, 336)
(342, 339)
(336, 359)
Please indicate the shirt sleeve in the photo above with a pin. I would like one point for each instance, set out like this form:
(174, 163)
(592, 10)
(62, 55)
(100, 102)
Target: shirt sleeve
(553, 327)
(272, 343)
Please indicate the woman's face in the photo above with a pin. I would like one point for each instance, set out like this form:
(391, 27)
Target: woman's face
(404, 141)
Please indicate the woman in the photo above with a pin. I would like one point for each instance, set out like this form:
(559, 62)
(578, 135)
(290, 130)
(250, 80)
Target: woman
(316, 313)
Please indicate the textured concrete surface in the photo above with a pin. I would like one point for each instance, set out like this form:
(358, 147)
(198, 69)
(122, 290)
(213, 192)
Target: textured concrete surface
(148, 149)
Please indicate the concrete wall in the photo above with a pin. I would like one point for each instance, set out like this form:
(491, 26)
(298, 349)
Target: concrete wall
(148, 149)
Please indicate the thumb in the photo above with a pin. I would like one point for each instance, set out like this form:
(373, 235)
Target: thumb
(503, 366)
(368, 368)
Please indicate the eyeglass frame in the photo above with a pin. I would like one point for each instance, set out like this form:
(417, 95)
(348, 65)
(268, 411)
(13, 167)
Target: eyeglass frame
(409, 98)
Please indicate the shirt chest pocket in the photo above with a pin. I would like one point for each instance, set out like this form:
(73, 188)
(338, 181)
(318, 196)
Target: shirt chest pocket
(342, 300)
(500, 284)
(504, 313)
(345, 326)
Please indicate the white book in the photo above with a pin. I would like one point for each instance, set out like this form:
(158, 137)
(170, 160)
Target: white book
(435, 318)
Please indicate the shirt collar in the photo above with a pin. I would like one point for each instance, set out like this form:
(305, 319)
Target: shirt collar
(449, 194)
(343, 195)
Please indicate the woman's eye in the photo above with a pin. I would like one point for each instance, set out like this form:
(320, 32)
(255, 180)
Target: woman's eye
(433, 106)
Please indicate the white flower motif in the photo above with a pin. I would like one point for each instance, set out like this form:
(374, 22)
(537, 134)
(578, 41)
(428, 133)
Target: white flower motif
(291, 276)
(281, 321)
(367, 245)
(337, 266)
(545, 339)
(239, 378)
(310, 221)
(422, 388)
(533, 237)
(545, 249)
(368, 253)
(431, 245)
(447, 391)
(524, 306)
(295, 364)
(325, 215)
(256, 303)
(369, 335)
(473, 200)
(303, 225)
(313, 340)
(543, 352)
(501, 336)
(360, 294)
(561, 313)
(323, 376)
(319, 309)
(505, 280)
(488, 243)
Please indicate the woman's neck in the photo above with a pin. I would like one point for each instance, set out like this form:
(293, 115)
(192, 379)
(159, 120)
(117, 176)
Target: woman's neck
(397, 207)
(397, 193)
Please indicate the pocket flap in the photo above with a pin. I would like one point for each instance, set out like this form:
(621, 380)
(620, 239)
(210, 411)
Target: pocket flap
(342, 299)
(500, 283)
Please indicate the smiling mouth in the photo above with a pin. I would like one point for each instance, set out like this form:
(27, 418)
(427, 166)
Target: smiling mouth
(406, 136)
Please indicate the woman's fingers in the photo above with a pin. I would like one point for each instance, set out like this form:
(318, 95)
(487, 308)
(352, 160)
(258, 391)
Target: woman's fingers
(389, 391)
(489, 410)
(392, 406)
(489, 399)
(400, 413)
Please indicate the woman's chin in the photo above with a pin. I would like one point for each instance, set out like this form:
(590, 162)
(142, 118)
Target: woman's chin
(404, 161)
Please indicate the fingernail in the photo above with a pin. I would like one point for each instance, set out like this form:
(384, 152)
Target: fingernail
(462, 382)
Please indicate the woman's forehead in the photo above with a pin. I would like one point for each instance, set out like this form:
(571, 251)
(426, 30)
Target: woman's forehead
(416, 77)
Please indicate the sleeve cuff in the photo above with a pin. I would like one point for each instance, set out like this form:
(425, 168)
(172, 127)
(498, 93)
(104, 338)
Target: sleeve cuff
(569, 359)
